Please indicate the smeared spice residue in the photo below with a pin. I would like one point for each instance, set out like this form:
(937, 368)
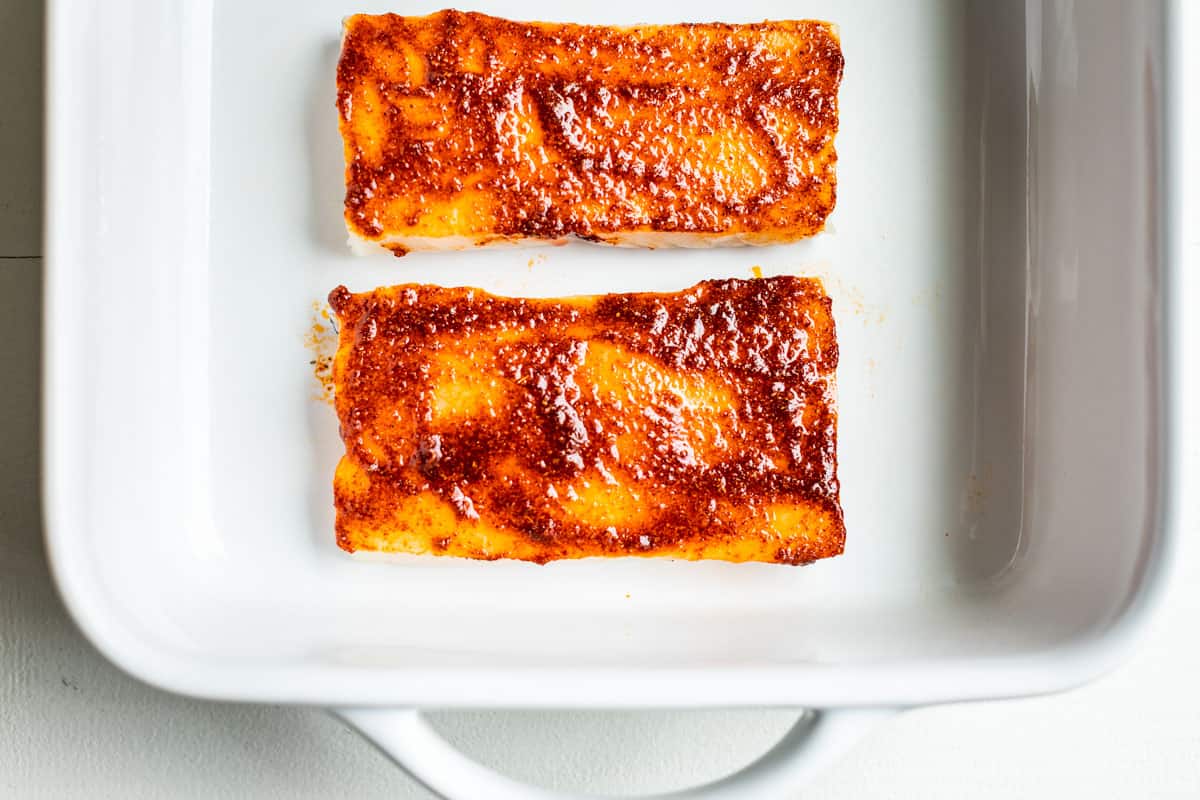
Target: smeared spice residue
(322, 341)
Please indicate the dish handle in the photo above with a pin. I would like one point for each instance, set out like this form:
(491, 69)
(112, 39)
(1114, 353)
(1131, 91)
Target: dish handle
(405, 735)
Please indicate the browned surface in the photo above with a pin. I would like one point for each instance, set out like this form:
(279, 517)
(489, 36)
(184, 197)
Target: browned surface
(699, 424)
(461, 124)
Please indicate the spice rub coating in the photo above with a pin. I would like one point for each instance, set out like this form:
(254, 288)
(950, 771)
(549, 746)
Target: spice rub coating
(696, 424)
(464, 129)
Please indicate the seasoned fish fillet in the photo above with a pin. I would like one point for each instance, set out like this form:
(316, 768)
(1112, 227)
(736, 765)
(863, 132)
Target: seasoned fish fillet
(699, 424)
(462, 129)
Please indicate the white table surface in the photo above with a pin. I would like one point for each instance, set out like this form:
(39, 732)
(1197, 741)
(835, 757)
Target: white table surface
(73, 726)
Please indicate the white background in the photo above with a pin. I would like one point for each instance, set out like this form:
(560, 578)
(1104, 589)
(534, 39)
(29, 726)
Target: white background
(72, 726)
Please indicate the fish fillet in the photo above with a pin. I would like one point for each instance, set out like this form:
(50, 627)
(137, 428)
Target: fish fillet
(698, 424)
(462, 129)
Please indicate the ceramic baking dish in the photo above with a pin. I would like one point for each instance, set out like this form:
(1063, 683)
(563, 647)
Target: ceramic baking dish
(999, 276)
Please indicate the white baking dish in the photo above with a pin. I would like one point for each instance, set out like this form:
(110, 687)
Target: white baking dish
(999, 279)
